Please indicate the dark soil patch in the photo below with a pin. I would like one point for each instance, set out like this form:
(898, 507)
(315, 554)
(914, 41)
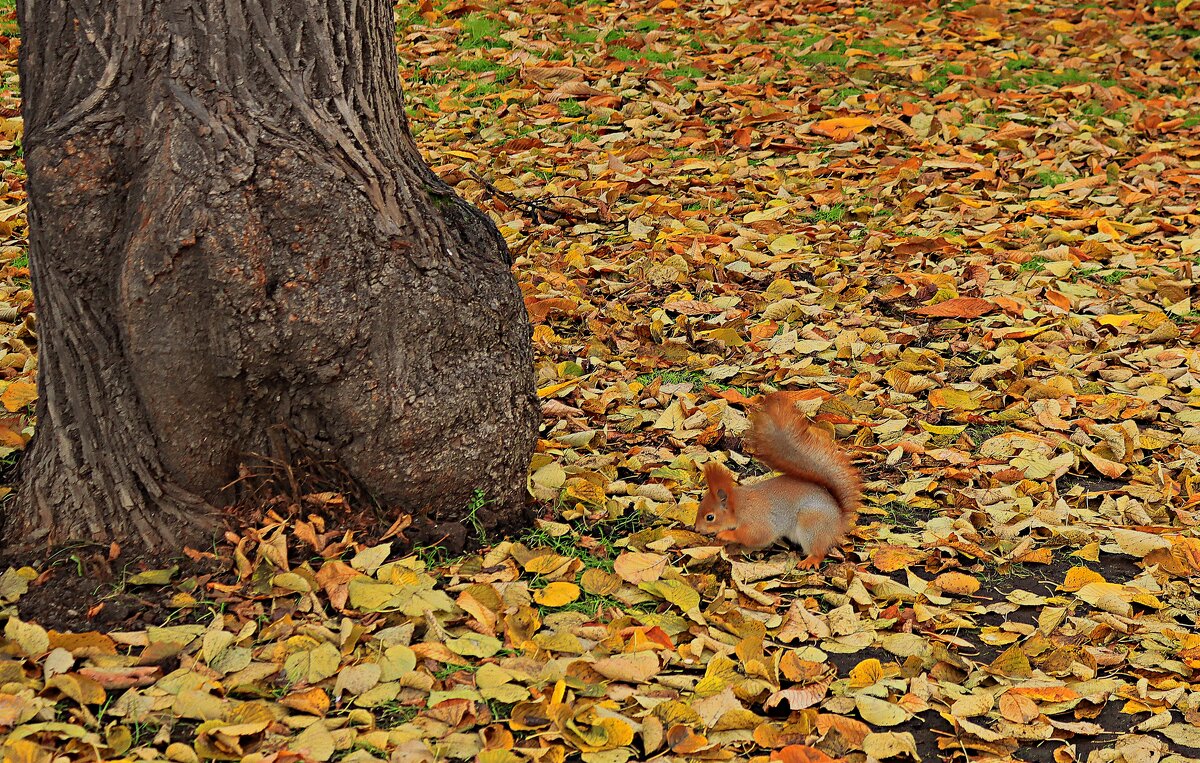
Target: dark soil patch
(82, 591)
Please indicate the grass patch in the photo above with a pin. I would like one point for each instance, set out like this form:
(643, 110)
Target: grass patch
(1050, 178)
(654, 56)
(1034, 263)
(474, 506)
(832, 215)
(1020, 63)
(392, 714)
(1057, 79)
(904, 518)
(450, 669)
(843, 94)
(481, 31)
(572, 109)
(823, 58)
(581, 36)
(695, 378)
(980, 433)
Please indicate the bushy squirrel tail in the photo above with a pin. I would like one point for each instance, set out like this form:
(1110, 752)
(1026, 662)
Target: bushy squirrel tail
(784, 440)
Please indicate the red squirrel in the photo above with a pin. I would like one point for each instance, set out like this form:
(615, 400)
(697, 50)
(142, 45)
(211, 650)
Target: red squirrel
(813, 503)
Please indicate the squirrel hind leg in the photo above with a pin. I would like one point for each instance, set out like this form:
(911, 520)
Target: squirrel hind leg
(811, 562)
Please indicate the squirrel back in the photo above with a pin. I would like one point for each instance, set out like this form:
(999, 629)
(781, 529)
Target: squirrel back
(783, 440)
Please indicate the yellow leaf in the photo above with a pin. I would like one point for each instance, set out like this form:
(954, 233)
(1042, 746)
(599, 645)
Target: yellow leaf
(956, 583)
(313, 701)
(357, 679)
(599, 582)
(677, 592)
(866, 673)
(550, 564)
(556, 594)
(472, 644)
(635, 668)
(31, 637)
(955, 400)
(1119, 320)
(890, 744)
(316, 742)
(727, 336)
(785, 243)
(639, 567)
(1078, 577)
(879, 712)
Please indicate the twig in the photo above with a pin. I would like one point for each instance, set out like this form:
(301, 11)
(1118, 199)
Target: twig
(542, 212)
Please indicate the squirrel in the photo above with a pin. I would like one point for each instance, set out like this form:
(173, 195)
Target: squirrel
(813, 503)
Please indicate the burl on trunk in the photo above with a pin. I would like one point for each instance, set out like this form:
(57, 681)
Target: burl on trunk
(232, 229)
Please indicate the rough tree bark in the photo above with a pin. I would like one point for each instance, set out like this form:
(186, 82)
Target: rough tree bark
(232, 229)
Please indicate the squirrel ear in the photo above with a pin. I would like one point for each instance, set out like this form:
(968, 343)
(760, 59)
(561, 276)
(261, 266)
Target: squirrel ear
(723, 497)
(719, 479)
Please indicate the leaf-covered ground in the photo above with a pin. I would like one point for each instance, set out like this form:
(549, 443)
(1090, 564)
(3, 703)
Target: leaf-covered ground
(966, 233)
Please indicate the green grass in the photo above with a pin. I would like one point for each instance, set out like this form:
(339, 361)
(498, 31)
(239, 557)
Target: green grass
(581, 36)
(980, 433)
(1033, 264)
(9, 28)
(695, 378)
(587, 603)
(690, 72)
(481, 31)
(572, 109)
(474, 506)
(392, 714)
(1020, 63)
(1058, 79)
(655, 56)
(450, 669)
(831, 215)
(823, 58)
(1050, 178)
(22, 260)
(646, 25)
(843, 94)
(603, 535)
(872, 45)
(901, 517)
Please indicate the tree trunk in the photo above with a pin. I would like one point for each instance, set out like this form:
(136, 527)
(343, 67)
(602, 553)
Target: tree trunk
(232, 230)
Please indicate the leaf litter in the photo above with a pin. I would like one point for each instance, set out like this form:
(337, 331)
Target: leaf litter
(964, 233)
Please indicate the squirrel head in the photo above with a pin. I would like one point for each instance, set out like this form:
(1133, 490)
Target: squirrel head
(716, 511)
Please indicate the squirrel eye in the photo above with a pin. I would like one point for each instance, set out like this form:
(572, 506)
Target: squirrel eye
(711, 517)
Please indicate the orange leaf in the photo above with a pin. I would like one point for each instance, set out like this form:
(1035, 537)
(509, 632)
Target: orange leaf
(18, 395)
(959, 307)
(802, 753)
(889, 558)
(842, 128)
(11, 439)
(683, 740)
(1058, 299)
